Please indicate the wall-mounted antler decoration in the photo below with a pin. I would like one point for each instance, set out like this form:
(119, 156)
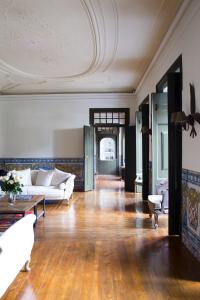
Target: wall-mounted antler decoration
(194, 116)
(180, 118)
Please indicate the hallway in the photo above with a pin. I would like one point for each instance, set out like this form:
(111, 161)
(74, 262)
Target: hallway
(103, 247)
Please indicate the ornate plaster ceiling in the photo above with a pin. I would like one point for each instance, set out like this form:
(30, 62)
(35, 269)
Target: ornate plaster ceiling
(60, 46)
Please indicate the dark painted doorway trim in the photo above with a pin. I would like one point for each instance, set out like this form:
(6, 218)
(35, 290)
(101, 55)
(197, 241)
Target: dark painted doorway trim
(130, 158)
(175, 154)
(174, 82)
(144, 108)
(177, 65)
(130, 137)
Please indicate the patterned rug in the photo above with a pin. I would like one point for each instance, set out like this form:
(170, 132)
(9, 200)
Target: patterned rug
(7, 220)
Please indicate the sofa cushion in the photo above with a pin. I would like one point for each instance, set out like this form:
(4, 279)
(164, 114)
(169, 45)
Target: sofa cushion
(44, 177)
(34, 176)
(25, 190)
(50, 191)
(25, 176)
(59, 177)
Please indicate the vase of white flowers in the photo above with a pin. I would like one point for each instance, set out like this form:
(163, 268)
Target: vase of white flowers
(11, 185)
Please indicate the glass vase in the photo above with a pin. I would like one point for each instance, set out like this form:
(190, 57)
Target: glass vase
(11, 198)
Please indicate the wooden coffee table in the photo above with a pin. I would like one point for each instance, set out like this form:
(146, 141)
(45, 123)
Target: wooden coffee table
(22, 205)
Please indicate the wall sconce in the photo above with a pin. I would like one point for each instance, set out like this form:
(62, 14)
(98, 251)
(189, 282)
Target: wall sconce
(146, 130)
(180, 119)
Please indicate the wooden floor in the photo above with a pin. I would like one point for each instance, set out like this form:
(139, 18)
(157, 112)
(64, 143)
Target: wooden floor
(104, 247)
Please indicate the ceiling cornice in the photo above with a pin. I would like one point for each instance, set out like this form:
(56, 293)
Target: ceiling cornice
(73, 96)
(165, 40)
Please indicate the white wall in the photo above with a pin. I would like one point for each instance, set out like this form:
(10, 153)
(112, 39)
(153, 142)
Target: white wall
(185, 40)
(50, 125)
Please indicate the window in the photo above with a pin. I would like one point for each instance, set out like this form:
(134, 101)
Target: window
(107, 149)
(109, 116)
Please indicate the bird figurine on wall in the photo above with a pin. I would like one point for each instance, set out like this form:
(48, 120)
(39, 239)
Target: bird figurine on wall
(194, 116)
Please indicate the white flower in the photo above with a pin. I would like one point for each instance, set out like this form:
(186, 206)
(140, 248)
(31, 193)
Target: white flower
(17, 179)
(9, 174)
(11, 181)
(6, 178)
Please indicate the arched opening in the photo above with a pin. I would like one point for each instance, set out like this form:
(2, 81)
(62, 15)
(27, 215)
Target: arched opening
(107, 149)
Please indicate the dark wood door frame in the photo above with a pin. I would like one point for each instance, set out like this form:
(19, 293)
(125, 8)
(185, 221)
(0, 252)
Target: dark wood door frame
(177, 65)
(130, 136)
(174, 82)
(130, 158)
(175, 154)
(144, 108)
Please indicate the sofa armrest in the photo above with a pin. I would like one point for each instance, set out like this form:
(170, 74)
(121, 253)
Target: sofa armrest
(69, 186)
(20, 231)
(16, 244)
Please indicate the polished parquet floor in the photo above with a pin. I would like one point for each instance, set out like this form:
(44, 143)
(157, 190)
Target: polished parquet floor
(103, 247)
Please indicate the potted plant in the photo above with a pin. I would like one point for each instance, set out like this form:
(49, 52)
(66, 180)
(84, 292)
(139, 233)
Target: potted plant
(11, 185)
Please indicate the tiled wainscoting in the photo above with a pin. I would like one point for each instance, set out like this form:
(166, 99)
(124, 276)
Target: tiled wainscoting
(71, 165)
(191, 211)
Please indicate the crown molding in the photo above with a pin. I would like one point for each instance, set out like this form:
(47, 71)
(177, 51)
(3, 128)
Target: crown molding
(165, 40)
(90, 96)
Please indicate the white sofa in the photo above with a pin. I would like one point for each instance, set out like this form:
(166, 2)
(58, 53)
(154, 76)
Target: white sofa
(15, 250)
(59, 192)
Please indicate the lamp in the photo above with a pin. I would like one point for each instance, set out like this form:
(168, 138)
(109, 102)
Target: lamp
(179, 118)
(146, 130)
(173, 117)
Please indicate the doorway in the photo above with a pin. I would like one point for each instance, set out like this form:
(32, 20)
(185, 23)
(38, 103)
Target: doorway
(113, 150)
(162, 143)
(110, 156)
(168, 160)
(108, 147)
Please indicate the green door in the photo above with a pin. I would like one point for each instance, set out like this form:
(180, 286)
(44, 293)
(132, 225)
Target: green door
(88, 158)
(138, 124)
(159, 138)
